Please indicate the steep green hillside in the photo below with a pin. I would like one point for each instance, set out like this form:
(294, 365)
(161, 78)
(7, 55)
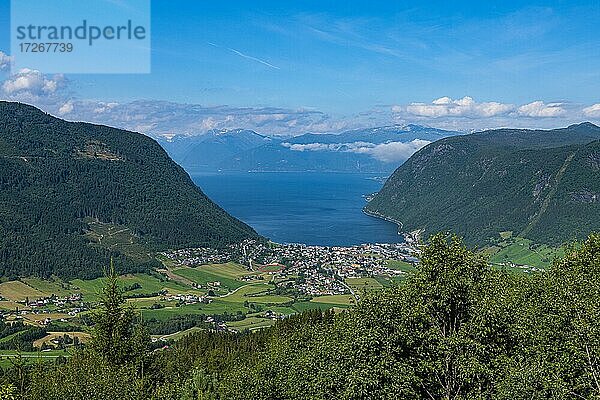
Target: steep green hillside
(63, 185)
(541, 185)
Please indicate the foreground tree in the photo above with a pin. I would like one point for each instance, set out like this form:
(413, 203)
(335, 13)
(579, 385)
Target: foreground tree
(112, 364)
(559, 331)
(8, 392)
(118, 336)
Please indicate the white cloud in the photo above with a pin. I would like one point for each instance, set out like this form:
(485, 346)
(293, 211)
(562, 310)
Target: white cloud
(396, 152)
(466, 114)
(312, 146)
(29, 85)
(158, 117)
(443, 100)
(154, 117)
(5, 61)
(447, 107)
(592, 111)
(353, 147)
(539, 109)
(392, 152)
(103, 107)
(66, 108)
(208, 124)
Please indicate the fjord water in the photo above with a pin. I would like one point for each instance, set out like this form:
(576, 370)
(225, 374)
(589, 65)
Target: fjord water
(311, 208)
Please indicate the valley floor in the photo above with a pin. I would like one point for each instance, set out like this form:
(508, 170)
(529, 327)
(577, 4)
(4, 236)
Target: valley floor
(246, 287)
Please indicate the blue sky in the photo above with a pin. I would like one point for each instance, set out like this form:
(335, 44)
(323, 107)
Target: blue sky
(365, 62)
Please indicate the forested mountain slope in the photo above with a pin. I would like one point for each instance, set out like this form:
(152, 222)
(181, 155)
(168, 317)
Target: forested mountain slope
(542, 185)
(58, 177)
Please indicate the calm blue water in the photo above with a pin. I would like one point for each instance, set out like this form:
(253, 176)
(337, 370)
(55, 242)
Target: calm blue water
(311, 208)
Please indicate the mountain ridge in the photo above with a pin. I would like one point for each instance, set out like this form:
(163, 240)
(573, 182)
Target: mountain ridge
(57, 176)
(481, 184)
(359, 150)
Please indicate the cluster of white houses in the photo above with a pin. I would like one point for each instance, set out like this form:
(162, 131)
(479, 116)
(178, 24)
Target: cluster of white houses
(187, 298)
(319, 270)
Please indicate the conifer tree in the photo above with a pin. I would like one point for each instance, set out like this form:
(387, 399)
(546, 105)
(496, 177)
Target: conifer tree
(117, 337)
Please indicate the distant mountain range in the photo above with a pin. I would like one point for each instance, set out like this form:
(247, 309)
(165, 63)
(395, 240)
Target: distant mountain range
(542, 185)
(379, 149)
(72, 195)
(209, 151)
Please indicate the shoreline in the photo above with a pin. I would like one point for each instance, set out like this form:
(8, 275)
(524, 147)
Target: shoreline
(409, 237)
(383, 217)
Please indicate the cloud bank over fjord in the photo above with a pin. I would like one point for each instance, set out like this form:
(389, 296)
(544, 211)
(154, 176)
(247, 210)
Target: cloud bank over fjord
(392, 152)
(395, 152)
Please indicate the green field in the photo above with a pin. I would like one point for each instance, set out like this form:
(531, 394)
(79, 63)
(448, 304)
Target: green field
(255, 293)
(523, 252)
(49, 287)
(387, 281)
(178, 335)
(311, 305)
(270, 268)
(235, 295)
(364, 284)
(30, 357)
(231, 303)
(19, 291)
(228, 277)
(91, 289)
(228, 270)
(400, 265)
(146, 302)
(338, 299)
(11, 306)
(251, 323)
(117, 238)
(283, 310)
(218, 306)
